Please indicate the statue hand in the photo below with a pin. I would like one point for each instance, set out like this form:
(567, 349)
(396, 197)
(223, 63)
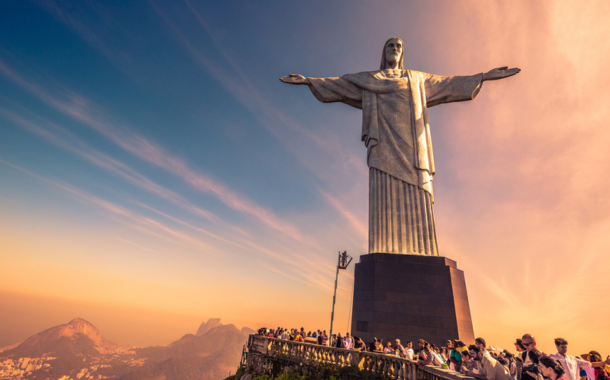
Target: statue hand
(500, 73)
(295, 79)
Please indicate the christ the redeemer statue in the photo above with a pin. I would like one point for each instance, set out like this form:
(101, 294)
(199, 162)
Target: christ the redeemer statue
(396, 133)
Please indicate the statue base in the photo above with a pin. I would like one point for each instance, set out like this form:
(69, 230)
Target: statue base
(410, 297)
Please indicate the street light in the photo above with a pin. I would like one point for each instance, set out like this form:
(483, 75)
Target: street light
(343, 262)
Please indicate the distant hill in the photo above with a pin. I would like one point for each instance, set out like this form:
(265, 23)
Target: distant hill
(78, 348)
(74, 327)
(210, 356)
(207, 326)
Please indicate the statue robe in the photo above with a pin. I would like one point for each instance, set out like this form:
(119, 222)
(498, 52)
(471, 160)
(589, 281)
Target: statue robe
(396, 133)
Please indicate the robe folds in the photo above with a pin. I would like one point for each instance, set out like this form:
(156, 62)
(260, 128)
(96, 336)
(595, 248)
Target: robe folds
(396, 133)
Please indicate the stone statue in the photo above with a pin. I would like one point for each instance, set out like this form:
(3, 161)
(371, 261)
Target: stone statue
(396, 133)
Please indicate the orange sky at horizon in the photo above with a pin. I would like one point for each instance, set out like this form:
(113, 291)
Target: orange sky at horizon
(522, 205)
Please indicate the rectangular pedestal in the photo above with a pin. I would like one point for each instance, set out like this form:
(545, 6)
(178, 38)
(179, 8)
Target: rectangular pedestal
(409, 297)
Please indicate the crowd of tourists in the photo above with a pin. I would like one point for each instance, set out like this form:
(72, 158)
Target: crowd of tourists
(477, 360)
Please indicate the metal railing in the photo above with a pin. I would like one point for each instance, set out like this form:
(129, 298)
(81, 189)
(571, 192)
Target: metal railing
(389, 365)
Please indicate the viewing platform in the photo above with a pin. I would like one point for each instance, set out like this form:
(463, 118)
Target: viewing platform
(272, 356)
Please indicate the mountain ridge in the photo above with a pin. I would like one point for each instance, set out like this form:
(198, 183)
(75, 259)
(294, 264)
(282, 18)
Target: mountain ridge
(207, 326)
(78, 348)
(75, 326)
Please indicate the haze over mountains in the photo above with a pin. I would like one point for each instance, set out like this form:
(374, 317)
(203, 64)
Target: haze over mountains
(77, 350)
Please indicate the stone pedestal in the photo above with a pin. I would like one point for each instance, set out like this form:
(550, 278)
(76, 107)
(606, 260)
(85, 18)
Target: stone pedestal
(410, 297)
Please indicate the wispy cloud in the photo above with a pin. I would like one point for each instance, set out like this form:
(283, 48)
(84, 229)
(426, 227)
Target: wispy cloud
(125, 215)
(283, 127)
(63, 138)
(80, 109)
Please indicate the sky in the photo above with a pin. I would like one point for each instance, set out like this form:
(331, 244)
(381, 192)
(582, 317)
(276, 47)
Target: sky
(155, 173)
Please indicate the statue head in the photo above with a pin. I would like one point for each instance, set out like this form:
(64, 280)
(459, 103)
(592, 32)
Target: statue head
(392, 52)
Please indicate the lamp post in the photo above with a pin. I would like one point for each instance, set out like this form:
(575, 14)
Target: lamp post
(342, 263)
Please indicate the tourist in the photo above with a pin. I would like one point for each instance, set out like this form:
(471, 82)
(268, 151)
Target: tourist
(388, 350)
(380, 346)
(482, 345)
(425, 355)
(339, 343)
(502, 360)
(530, 357)
(596, 361)
(421, 344)
(455, 355)
(551, 368)
(359, 344)
(512, 364)
(348, 342)
(518, 361)
(437, 360)
(399, 348)
(468, 362)
(519, 346)
(572, 365)
(409, 350)
(488, 367)
(373, 345)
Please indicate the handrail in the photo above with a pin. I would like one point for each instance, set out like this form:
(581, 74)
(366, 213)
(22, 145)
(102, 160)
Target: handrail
(391, 366)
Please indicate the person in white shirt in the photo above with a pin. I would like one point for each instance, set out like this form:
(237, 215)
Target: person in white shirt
(284, 335)
(437, 360)
(571, 364)
(348, 342)
(409, 350)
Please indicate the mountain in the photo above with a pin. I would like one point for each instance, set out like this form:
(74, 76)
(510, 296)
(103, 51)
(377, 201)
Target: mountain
(210, 356)
(207, 326)
(60, 350)
(78, 350)
(74, 327)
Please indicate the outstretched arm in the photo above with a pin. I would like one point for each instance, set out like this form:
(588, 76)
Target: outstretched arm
(329, 90)
(441, 89)
(295, 79)
(500, 73)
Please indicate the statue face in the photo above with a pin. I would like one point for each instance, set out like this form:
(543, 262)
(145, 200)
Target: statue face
(393, 50)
